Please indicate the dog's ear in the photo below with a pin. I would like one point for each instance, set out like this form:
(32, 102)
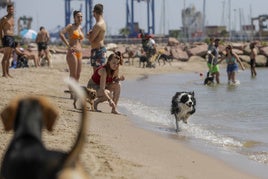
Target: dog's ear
(177, 94)
(90, 89)
(8, 115)
(50, 113)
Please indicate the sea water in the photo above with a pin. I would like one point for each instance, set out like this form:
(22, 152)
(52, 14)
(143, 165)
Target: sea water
(231, 122)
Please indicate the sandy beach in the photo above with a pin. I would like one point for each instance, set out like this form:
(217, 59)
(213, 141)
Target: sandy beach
(115, 147)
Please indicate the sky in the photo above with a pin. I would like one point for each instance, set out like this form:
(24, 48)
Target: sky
(51, 13)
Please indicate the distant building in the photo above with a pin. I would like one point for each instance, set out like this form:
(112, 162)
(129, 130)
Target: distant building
(3, 3)
(248, 28)
(216, 31)
(192, 22)
(176, 33)
(261, 32)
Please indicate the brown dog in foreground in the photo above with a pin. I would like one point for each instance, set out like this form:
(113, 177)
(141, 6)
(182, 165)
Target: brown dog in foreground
(26, 156)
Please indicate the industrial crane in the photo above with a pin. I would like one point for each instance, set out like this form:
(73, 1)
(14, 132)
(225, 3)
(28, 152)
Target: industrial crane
(129, 15)
(88, 9)
(150, 17)
(260, 19)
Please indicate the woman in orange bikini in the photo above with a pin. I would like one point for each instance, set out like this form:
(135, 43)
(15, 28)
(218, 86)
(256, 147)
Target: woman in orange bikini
(74, 45)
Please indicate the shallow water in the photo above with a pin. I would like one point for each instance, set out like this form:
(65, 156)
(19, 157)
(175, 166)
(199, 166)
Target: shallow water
(230, 121)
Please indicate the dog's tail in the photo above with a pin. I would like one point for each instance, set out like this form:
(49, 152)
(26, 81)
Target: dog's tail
(73, 155)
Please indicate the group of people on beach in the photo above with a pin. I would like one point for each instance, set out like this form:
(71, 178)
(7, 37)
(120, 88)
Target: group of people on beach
(105, 78)
(12, 48)
(215, 56)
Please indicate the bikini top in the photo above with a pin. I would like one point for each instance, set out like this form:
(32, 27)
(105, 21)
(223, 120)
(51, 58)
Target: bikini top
(77, 36)
(231, 60)
(96, 77)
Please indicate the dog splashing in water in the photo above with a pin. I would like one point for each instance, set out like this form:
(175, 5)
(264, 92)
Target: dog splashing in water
(182, 106)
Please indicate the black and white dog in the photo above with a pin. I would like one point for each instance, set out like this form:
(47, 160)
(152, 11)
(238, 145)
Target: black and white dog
(183, 106)
(209, 79)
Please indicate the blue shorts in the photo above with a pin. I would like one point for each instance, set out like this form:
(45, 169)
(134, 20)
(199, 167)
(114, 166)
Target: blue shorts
(98, 57)
(232, 67)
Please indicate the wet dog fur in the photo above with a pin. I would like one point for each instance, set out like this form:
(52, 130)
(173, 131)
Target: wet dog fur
(182, 107)
(209, 79)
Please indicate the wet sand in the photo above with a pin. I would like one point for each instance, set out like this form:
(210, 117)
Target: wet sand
(115, 147)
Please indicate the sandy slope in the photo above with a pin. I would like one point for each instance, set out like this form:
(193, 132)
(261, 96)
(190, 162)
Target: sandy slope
(115, 148)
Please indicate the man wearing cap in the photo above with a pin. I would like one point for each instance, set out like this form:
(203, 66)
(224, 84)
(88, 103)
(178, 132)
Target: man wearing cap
(213, 54)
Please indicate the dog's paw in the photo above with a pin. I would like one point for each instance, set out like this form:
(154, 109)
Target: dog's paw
(74, 104)
(185, 121)
(91, 107)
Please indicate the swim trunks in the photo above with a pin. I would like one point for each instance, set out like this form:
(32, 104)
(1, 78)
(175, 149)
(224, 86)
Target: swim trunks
(252, 63)
(8, 41)
(98, 57)
(42, 46)
(213, 68)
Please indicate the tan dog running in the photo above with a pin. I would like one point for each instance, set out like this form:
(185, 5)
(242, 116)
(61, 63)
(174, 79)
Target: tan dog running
(91, 95)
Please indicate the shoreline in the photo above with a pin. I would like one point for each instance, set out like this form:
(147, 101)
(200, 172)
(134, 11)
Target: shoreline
(153, 155)
(115, 147)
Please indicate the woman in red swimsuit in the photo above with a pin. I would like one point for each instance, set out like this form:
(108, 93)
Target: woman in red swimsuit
(105, 80)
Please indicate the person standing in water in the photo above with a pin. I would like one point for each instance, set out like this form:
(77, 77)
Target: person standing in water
(232, 67)
(213, 55)
(253, 55)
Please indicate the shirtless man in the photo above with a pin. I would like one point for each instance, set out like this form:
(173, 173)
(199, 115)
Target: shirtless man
(96, 38)
(42, 40)
(253, 55)
(7, 36)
